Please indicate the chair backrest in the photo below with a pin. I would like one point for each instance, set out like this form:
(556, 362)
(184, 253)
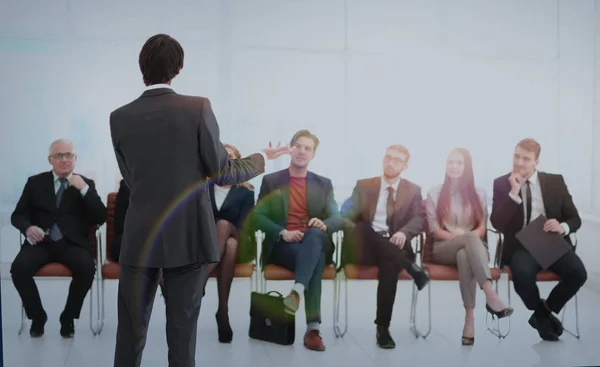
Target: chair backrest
(110, 222)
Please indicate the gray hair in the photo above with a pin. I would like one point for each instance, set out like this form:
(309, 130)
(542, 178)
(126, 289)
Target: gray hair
(60, 141)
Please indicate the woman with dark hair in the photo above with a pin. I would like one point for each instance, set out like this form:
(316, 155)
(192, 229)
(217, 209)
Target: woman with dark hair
(231, 207)
(457, 217)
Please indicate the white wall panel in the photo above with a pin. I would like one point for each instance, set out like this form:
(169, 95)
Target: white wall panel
(392, 26)
(289, 24)
(138, 20)
(513, 29)
(576, 99)
(280, 92)
(34, 19)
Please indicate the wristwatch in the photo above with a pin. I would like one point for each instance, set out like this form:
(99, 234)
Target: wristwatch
(283, 233)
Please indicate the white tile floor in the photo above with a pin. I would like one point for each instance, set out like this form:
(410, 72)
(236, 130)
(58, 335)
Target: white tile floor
(358, 348)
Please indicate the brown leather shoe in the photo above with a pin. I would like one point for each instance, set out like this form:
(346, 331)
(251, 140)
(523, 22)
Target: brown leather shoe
(313, 341)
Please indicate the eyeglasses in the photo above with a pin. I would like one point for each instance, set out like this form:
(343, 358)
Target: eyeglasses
(394, 160)
(62, 155)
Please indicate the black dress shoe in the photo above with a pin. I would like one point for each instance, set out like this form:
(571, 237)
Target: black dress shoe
(557, 326)
(37, 326)
(67, 327)
(419, 276)
(544, 327)
(384, 339)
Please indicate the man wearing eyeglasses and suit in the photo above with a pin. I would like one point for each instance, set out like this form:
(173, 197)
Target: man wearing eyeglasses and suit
(55, 213)
(386, 214)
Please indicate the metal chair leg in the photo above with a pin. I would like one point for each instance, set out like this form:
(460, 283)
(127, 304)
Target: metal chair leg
(337, 329)
(576, 333)
(103, 311)
(97, 287)
(92, 325)
(98, 324)
(493, 325)
(256, 279)
(413, 313)
(23, 320)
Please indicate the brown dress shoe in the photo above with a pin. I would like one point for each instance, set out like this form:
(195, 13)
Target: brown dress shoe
(313, 341)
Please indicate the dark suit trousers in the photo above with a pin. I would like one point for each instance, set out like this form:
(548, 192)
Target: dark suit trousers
(115, 248)
(524, 269)
(183, 296)
(32, 257)
(373, 249)
(307, 260)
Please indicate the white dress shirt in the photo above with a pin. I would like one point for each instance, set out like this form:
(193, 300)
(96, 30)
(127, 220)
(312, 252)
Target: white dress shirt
(57, 184)
(537, 200)
(220, 195)
(380, 218)
(158, 86)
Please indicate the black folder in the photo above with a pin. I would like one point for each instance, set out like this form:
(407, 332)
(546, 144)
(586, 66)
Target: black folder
(545, 247)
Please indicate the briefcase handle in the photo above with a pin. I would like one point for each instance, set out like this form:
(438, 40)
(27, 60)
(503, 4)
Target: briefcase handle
(279, 294)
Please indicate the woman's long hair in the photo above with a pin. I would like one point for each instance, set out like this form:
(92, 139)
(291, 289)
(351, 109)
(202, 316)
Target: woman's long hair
(466, 188)
(238, 155)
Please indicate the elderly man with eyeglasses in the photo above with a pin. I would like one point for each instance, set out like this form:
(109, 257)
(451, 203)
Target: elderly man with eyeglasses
(55, 213)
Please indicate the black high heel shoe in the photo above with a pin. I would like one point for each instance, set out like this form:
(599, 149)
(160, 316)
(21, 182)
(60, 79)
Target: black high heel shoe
(223, 328)
(500, 314)
(468, 340)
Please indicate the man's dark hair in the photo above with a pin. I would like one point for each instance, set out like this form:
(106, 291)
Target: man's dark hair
(161, 58)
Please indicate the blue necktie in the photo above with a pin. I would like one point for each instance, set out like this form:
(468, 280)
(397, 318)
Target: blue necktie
(55, 233)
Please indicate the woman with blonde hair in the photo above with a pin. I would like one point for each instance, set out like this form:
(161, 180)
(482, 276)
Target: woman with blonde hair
(457, 217)
(231, 207)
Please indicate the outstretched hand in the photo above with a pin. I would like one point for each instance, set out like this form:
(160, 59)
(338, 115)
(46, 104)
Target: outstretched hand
(276, 152)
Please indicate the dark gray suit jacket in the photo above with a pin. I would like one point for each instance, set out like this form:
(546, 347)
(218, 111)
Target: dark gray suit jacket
(408, 210)
(167, 145)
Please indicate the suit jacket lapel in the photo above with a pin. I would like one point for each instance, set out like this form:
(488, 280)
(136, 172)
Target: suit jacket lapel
(542, 178)
(230, 196)
(49, 191)
(373, 197)
(402, 196)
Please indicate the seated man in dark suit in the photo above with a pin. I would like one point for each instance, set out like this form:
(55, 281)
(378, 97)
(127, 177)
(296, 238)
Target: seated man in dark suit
(387, 214)
(55, 213)
(298, 213)
(121, 205)
(519, 198)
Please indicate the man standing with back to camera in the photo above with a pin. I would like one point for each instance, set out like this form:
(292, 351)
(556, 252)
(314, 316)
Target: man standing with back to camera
(167, 145)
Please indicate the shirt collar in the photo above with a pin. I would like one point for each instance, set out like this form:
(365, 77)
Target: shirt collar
(55, 176)
(385, 185)
(533, 180)
(158, 86)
